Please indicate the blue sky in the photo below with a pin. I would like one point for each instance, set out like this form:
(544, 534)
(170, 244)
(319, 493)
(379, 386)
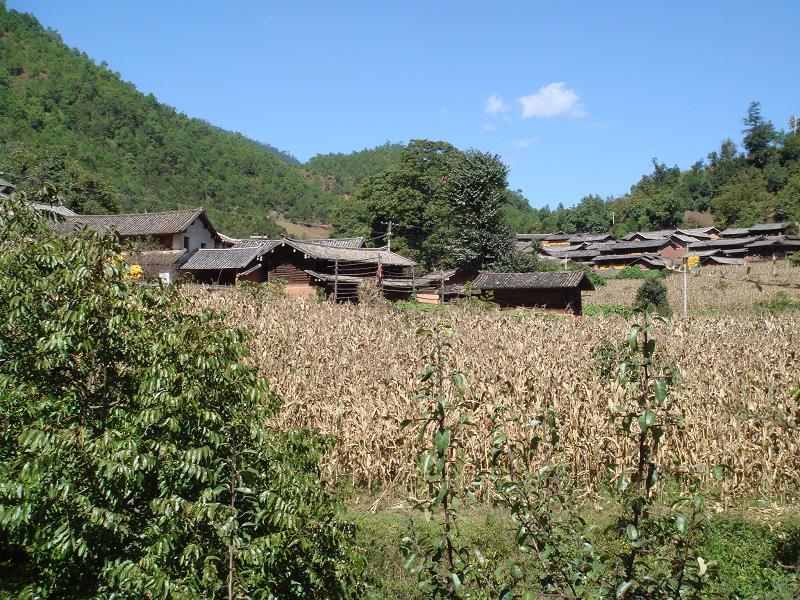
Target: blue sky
(576, 97)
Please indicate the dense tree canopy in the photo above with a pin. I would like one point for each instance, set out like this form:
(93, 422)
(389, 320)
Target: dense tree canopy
(136, 455)
(154, 157)
(446, 206)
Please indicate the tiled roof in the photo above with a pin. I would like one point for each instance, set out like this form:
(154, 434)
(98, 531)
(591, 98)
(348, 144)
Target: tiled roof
(162, 258)
(725, 243)
(351, 242)
(362, 255)
(212, 259)
(767, 227)
(54, 208)
(734, 231)
(529, 237)
(264, 245)
(643, 245)
(723, 260)
(135, 224)
(590, 237)
(538, 280)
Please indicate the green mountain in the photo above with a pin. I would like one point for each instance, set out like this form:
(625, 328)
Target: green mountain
(57, 106)
(342, 173)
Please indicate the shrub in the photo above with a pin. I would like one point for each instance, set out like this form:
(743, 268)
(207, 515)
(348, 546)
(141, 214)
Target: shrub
(136, 459)
(795, 259)
(653, 292)
(606, 310)
(636, 272)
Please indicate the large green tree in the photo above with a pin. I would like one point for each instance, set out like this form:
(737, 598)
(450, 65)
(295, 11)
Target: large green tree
(475, 193)
(136, 455)
(447, 207)
(759, 136)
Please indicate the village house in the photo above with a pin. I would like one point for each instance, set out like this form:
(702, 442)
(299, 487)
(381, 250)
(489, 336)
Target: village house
(337, 266)
(557, 291)
(188, 230)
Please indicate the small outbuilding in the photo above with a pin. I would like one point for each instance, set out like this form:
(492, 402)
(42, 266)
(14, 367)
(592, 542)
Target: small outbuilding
(557, 291)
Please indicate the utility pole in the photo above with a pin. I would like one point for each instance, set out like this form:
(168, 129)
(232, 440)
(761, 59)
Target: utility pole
(336, 281)
(388, 234)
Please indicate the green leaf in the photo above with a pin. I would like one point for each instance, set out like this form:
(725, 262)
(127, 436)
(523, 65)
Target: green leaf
(681, 524)
(646, 420)
(458, 382)
(632, 532)
(442, 440)
(660, 390)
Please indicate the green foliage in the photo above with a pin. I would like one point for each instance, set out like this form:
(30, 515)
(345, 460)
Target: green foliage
(777, 304)
(795, 259)
(475, 195)
(342, 173)
(636, 272)
(653, 293)
(136, 455)
(155, 158)
(595, 277)
(755, 560)
(448, 207)
(522, 262)
(556, 555)
(661, 556)
(445, 567)
(78, 190)
(606, 310)
(759, 136)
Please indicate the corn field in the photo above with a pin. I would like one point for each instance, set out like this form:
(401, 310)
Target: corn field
(353, 371)
(713, 289)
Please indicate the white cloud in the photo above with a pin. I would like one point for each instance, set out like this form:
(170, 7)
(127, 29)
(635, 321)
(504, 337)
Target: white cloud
(552, 100)
(495, 105)
(525, 142)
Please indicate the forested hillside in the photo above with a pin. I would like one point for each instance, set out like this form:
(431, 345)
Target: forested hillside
(58, 106)
(737, 185)
(342, 173)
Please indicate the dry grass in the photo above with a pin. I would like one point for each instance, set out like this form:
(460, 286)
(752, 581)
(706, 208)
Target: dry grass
(712, 289)
(353, 372)
(304, 232)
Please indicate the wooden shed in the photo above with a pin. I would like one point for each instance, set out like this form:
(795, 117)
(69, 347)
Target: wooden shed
(558, 291)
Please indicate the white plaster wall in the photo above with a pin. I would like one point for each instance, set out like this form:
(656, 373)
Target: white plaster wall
(198, 234)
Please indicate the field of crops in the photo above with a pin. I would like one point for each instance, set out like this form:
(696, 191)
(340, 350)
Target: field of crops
(714, 290)
(353, 372)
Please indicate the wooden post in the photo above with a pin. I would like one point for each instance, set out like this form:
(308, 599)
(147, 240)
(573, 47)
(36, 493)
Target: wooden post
(380, 270)
(336, 281)
(413, 281)
(441, 290)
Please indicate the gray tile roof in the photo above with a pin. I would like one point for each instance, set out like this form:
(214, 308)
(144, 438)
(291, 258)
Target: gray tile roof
(768, 227)
(725, 243)
(615, 248)
(54, 208)
(529, 237)
(135, 224)
(213, 259)
(734, 231)
(590, 237)
(361, 255)
(162, 258)
(722, 260)
(264, 245)
(351, 242)
(538, 280)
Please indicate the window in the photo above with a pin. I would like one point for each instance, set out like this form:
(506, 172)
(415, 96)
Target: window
(186, 242)
(203, 245)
